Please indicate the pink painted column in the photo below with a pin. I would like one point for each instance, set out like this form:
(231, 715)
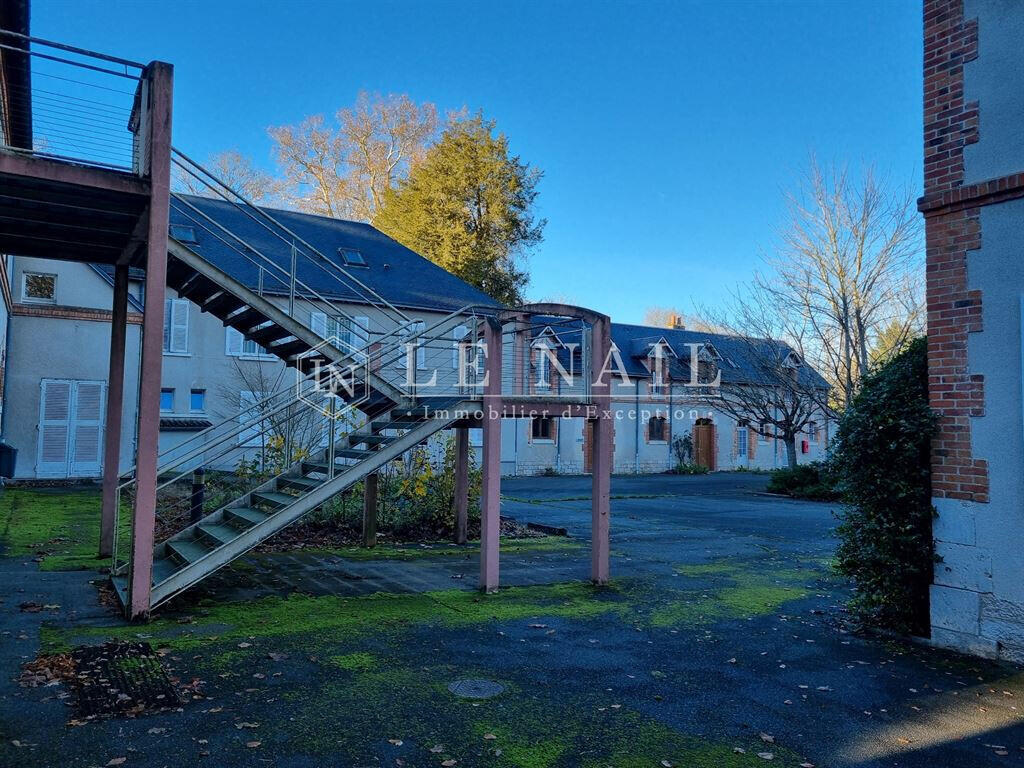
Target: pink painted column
(115, 407)
(144, 513)
(490, 492)
(461, 484)
(602, 447)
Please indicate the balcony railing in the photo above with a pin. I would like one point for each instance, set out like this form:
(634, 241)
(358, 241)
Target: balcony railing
(75, 105)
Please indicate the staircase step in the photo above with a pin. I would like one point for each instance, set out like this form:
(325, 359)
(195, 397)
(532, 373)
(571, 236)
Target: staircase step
(274, 499)
(352, 453)
(218, 533)
(299, 483)
(188, 550)
(288, 348)
(243, 321)
(271, 333)
(163, 568)
(222, 304)
(244, 517)
(378, 426)
(360, 437)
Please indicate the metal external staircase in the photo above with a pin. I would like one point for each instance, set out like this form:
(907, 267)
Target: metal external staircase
(200, 549)
(379, 416)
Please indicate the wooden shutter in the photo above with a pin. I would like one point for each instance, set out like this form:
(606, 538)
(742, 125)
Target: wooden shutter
(179, 326)
(233, 342)
(458, 334)
(751, 443)
(54, 427)
(87, 432)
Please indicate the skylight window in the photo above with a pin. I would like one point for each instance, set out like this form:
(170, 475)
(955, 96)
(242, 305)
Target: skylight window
(352, 258)
(182, 233)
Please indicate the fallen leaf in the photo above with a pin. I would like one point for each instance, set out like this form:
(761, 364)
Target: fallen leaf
(490, 736)
(449, 763)
(118, 761)
(245, 645)
(253, 744)
(767, 738)
(396, 742)
(766, 755)
(437, 748)
(277, 656)
(246, 725)
(667, 764)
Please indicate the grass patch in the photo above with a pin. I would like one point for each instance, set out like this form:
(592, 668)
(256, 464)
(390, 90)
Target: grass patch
(730, 590)
(61, 526)
(303, 615)
(539, 545)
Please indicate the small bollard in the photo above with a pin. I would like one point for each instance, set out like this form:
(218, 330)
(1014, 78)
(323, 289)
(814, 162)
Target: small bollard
(198, 496)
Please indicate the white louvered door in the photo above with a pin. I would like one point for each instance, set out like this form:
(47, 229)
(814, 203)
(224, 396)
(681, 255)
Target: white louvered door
(87, 429)
(54, 427)
(70, 428)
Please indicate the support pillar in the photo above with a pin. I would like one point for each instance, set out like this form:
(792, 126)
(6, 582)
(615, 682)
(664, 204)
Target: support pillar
(602, 447)
(370, 510)
(115, 409)
(140, 581)
(490, 493)
(461, 484)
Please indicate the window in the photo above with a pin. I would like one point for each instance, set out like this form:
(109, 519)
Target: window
(352, 258)
(167, 400)
(542, 429)
(657, 429)
(352, 332)
(658, 377)
(236, 345)
(542, 366)
(197, 401)
(812, 430)
(37, 286)
(175, 327)
(766, 430)
(742, 434)
(182, 233)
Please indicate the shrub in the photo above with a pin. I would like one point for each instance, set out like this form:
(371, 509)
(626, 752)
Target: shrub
(881, 457)
(690, 469)
(807, 481)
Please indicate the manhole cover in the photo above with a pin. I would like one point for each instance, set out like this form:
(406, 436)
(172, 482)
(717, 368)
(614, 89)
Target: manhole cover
(476, 689)
(120, 678)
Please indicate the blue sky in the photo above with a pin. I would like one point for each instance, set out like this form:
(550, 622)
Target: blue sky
(667, 132)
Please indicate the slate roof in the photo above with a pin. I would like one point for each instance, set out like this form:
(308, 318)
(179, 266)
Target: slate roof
(740, 357)
(397, 273)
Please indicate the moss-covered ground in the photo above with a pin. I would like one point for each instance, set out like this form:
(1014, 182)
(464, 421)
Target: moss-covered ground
(593, 676)
(59, 526)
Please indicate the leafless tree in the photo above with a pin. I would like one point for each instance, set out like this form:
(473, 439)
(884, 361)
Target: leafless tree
(342, 169)
(848, 268)
(235, 170)
(300, 427)
(763, 378)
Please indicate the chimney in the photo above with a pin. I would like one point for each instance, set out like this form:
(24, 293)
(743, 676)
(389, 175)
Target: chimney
(677, 323)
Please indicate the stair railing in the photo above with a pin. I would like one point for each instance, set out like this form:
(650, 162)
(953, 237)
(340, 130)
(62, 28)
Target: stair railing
(238, 469)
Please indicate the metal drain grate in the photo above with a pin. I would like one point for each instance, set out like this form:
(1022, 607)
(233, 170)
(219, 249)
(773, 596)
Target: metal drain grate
(476, 689)
(120, 679)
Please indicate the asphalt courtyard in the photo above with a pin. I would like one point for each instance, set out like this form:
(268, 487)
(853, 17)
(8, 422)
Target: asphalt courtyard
(722, 642)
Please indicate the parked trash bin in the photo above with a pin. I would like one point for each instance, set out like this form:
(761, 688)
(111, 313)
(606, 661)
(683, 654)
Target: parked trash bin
(8, 458)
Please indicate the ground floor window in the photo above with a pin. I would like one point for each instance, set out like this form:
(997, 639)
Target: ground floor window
(742, 434)
(542, 429)
(657, 429)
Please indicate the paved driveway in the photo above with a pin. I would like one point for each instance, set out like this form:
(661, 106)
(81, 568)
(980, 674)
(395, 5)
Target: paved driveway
(722, 642)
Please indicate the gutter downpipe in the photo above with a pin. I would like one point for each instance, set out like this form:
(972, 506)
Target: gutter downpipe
(636, 432)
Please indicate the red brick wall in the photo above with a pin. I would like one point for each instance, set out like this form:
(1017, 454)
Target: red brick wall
(951, 232)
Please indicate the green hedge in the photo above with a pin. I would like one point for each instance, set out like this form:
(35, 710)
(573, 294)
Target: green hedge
(881, 458)
(807, 481)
